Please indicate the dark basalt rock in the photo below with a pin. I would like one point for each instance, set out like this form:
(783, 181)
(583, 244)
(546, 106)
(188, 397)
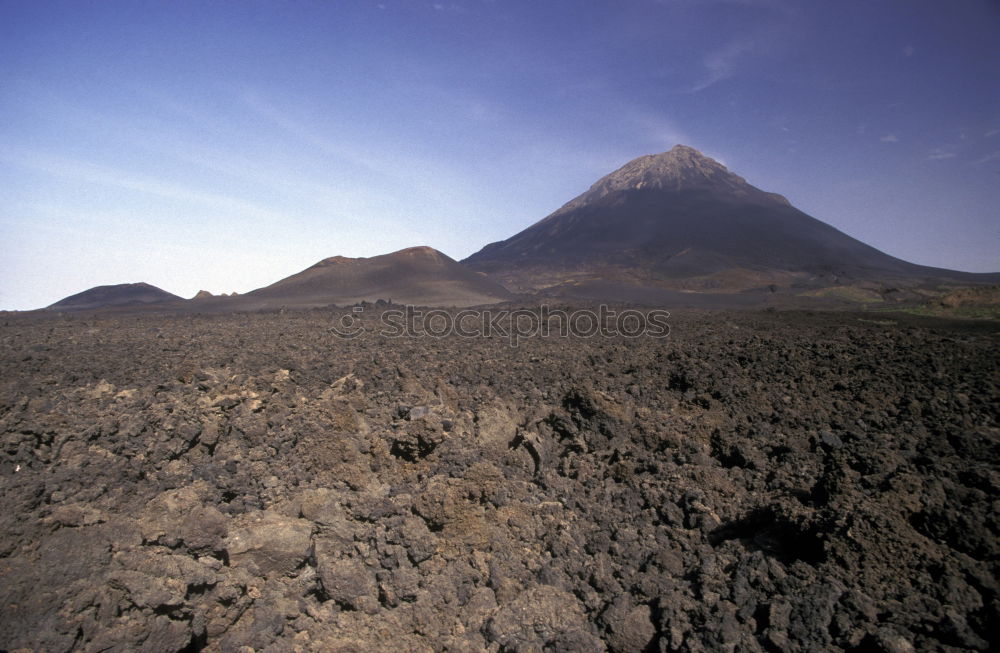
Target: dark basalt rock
(754, 482)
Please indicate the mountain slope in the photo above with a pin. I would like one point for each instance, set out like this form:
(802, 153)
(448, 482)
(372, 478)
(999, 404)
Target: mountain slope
(118, 295)
(417, 275)
(681, 220)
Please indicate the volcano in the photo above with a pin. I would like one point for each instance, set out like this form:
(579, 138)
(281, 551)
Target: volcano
(416, 275)
(114, 296)
(682, 221)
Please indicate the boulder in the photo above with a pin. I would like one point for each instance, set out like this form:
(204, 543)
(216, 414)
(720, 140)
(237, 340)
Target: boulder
(269, 543)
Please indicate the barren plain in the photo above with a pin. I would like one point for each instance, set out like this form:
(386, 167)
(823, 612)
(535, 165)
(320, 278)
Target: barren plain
(755, 481)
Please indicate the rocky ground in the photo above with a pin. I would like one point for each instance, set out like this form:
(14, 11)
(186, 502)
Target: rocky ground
(753, 482)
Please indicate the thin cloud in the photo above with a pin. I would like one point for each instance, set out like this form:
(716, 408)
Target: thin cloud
(348, 203)
(992, 156)
(423, 175)
(306, 135)
(777, 19)
(909, 51)
(345, 201)
(940, 154)
(991, 133)
(890, 138)
(779, 5)
(453, 7)
(721, 64)
(93, 173)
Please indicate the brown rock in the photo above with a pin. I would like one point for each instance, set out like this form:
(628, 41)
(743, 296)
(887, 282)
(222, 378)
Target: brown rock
(269, 543)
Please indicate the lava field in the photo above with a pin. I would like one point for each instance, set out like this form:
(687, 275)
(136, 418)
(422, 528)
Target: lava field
(755, 481)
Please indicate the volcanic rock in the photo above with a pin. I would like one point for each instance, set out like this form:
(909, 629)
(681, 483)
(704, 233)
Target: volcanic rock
(756, 481)
(269, 543)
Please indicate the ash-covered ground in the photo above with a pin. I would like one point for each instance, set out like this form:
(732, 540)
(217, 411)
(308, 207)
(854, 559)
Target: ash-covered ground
(753, 482)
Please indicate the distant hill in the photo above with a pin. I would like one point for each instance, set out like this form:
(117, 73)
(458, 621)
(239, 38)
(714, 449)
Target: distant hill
(417, 275)
(681, 221)
(118, 295)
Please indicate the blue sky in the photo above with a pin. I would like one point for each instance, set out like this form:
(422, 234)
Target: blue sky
(225, 145)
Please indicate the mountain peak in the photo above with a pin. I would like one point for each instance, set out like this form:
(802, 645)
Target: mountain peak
(333, 260)
(420, 250)
(679, 169)
(685, 152)
(681, 157)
